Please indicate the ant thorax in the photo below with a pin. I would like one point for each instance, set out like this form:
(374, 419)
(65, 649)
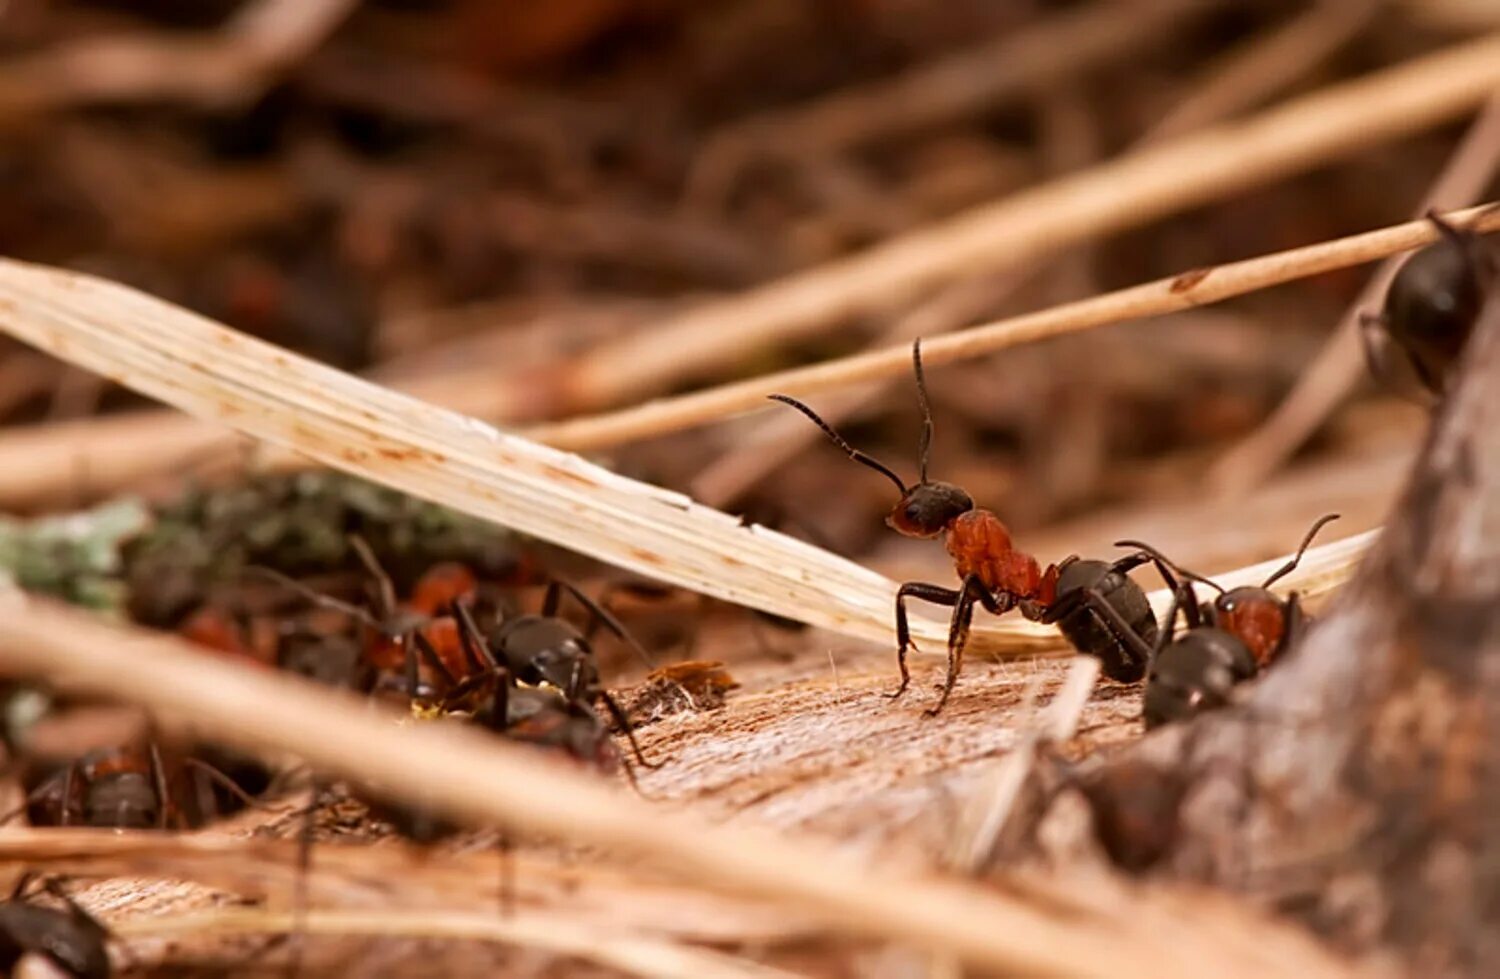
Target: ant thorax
(980, 546)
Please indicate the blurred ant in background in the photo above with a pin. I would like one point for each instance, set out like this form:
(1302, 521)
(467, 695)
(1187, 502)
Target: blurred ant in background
(141, 786)
(1431, 305)
(70, 938)
(1095, 604)
(1229, 640)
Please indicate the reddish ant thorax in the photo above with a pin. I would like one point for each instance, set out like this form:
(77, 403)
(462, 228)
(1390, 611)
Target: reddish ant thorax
(216, 629)
(435, 592)
(980, 545)
(441, 586)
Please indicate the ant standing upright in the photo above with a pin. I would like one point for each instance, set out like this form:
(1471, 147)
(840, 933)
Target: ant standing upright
(1095, 604)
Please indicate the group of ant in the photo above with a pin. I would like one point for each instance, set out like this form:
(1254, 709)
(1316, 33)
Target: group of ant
(456, 652)
(1429, 311)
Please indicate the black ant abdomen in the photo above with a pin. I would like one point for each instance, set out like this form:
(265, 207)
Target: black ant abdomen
(1101, 611)
(1431, 305)
(71, 938)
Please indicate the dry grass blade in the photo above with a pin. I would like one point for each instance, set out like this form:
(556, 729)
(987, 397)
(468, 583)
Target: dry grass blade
(970, 81)
(485, 781)
(210, 371)
(1151, 182)
(1190, 289)
(621, 950)
(235, 63)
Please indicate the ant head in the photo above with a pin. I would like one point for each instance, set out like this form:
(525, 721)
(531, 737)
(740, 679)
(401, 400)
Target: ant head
(926, 509)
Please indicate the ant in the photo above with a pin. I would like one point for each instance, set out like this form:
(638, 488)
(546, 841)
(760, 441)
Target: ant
(1431, 305)
(137, 786)
(535, 679)
(1095, 604)
(437, 629)
(1229, 640)
(71, 938)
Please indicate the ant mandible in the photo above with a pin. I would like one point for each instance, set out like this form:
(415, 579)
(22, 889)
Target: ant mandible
(1096, 606)
(1431, 305)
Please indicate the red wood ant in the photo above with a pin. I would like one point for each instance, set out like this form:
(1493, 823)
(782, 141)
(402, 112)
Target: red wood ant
(1095, 605)
(71, 938)
(535, 679)
(1229, 640)
(138, 786)
(1431, 305)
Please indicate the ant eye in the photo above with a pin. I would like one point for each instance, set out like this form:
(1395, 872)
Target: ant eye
(913, 513)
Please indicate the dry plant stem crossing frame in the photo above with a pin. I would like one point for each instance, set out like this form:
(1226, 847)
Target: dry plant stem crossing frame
(1187, 290)
(1124, 192)
(211, 371)
(485, 781)
(651, 957)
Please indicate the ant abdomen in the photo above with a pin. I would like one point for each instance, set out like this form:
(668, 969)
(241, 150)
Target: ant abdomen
(1433, 302)
(1088, 632)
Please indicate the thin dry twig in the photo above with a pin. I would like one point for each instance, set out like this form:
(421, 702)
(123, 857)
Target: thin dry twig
(1338, 367)
(35, 463)
(1128, 191)
(962, 84)
(234, 64)
(1189, 289)
(636, 954)
(1268, 63)
(485, 781)
(1249, 76)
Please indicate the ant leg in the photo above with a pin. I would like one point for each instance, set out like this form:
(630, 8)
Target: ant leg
(54, 887)
(304, 869)
(958, 637)
(1182, 598)
(430, 657)
(67, 794)
(20, 889)
(36, 793)
(1296, 624)
(553, 599)
(481, 658)
(507, 875)
(937, 595)
(1116, 626)
(159, 777)
(613, 706)
(225, 782)
(385, 591)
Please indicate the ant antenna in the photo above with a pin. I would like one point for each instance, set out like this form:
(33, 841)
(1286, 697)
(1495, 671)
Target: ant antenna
(924, 447)
(317, 597)
(838, 440)
(386, 590)
(1291, 565)
(1161, 558)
